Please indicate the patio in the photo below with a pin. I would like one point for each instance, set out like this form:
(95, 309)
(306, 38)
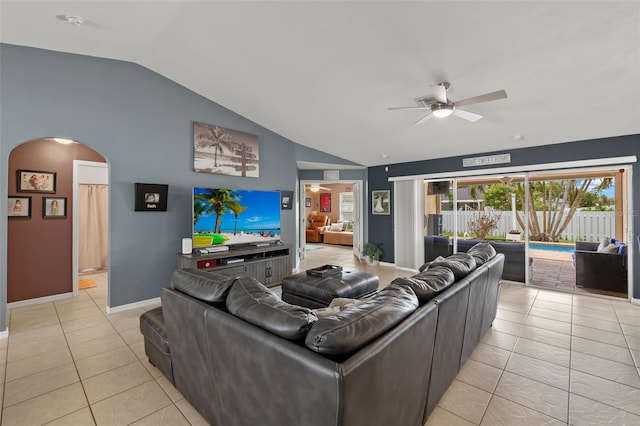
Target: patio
(552, 269)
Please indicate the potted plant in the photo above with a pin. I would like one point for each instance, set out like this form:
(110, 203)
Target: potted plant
(372, 252)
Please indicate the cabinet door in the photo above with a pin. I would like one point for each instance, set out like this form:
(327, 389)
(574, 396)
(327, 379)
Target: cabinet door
(258, 270)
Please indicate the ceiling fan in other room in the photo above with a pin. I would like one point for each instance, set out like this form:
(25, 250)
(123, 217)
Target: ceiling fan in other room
(314, 187)
(440, 106)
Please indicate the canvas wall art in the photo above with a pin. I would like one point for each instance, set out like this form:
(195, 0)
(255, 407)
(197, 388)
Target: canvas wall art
(225, 151)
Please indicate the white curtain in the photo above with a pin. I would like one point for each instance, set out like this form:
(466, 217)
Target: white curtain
(409, 223)
(93, 232)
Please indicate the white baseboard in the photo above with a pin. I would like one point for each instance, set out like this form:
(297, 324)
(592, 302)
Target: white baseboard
(134, 305)
(635, 301)
(4, 334)
(39, 300)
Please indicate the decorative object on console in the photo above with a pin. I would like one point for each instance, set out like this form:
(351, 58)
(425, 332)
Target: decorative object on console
(19, 206)
(381, 202)
(36, 181)
(54, 207)
(151, 197)
(325, 271)
(224, 151)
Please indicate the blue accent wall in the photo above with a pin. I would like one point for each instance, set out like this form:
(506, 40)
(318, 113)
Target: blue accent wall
(141, 122)
(381, 227)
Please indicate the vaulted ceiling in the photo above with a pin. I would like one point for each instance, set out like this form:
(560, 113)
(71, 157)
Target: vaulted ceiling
(323, 73)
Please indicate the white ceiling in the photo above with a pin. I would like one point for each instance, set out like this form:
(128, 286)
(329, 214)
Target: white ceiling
(322, 73)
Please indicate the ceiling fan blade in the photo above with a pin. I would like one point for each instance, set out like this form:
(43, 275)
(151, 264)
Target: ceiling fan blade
(423, 119)
(440, 93)
(469, 116)
(394, 108)
(493, 96)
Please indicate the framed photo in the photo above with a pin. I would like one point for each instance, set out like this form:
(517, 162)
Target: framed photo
(36, 181)
(307, 202)
(19, 207)
(381, 202)
(285, 200)
(151, 197)
(54, 207)
(325, 202)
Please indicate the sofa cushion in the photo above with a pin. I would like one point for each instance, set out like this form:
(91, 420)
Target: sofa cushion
(253, 302)
(427, 284)
(603, 243)
(482, 253)
(461, 264)
(611, 249)
(354, 327)
(206, 286)
(336, 227)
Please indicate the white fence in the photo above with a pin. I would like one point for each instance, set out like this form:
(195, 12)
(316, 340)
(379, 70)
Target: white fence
(584, 226)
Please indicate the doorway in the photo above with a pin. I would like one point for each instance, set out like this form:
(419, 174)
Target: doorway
(91, 229)
(341, 202)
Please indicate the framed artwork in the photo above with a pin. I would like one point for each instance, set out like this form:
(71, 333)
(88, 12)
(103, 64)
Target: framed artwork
(325, 202)
(19, 207)
(285, 200)
(54, 207)
(151, 197)
(36, 181)
(307, 202)
(381, 202)
(224, 151)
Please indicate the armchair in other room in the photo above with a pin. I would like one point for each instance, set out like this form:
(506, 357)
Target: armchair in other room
(601, 270)
(318, 222)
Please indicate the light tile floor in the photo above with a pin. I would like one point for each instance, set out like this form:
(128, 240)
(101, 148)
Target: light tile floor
(550, 358)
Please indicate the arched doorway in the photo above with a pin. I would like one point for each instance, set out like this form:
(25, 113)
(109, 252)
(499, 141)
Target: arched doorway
(40, 255)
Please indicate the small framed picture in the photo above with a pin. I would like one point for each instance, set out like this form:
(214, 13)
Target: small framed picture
(54, 207)
(325, 203)
(19, 207)
(381, 202)
(151, 197)
(286, 198)
(36, 181)
(307, 202)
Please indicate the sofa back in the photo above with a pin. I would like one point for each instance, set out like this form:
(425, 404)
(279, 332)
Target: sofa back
(514, 257)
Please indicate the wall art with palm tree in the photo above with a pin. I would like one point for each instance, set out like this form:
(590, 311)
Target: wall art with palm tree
(226, 216)
(224, 151)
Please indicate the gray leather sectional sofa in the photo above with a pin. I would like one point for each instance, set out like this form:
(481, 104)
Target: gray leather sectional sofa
(242, 356)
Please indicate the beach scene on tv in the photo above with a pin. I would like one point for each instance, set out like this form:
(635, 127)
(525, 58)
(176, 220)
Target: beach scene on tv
(226, 216)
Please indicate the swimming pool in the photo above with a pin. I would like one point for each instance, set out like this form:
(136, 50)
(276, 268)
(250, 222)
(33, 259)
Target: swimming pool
(551, 247)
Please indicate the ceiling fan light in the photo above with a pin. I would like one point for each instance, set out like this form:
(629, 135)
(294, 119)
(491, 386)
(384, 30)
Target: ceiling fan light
(315, 187)
(441, 110)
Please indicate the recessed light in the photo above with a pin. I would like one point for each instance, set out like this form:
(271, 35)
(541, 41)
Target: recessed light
(518, 137)
(384, 156)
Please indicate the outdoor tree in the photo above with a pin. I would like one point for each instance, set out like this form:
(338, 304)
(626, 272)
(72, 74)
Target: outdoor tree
(219, 201)
(483, 223)
(237, 208)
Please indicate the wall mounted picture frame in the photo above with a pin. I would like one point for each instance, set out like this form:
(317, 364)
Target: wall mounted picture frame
(381, 202)
(225, 151)
(325, 203)
(151, 197)
(19, 207)
(54, 207)
(307, 202)
(36, 181)
(286, 200)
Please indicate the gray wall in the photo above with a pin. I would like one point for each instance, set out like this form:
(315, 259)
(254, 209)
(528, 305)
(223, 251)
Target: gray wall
(381, 227)
(141, 123)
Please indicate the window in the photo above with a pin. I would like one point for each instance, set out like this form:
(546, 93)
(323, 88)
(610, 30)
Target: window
(346, 206)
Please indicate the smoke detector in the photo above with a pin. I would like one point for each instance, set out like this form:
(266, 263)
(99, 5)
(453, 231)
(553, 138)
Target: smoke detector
(72, 19)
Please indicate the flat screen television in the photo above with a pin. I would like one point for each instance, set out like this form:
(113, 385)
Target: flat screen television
(235, 216)
(441, 187)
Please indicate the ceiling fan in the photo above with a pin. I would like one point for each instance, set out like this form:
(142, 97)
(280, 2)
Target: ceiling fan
(440, 106)
(314, 187)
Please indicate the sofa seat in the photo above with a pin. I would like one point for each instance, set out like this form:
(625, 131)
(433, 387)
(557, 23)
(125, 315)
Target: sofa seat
(156, 342)
(344, 238)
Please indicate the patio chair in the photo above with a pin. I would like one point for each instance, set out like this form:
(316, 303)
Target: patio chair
(602, 271)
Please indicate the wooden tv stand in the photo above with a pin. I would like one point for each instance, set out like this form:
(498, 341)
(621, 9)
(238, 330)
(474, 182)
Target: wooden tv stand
(269, 264)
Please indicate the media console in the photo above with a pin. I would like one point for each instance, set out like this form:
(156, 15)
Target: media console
(269, 264)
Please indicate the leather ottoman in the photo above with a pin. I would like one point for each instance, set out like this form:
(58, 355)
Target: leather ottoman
(156, 342)
(316, 292)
